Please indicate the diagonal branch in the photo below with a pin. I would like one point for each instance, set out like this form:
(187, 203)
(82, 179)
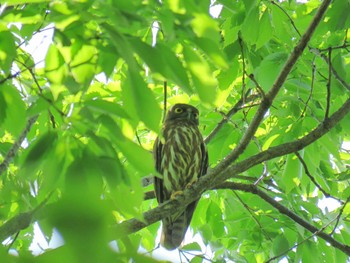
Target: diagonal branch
(22, 220)
(272, 93)
(16, 146)
(283, 210)
(217, 176)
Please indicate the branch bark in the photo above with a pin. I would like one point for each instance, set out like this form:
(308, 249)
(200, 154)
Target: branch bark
(283, 210)
(217, 176)
(272, 93)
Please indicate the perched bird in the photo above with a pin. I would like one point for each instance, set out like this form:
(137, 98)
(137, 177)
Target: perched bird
(181, 158)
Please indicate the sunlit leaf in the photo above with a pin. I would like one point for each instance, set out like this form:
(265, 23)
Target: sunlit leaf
(160, 59)
(292, 173)
(194, 246)
(202, 77)
(280, 245)
(137, 156)
(212, 50)
(12, 109)
(55, 66)
(146, 106)
(107, 107)
(7, 50)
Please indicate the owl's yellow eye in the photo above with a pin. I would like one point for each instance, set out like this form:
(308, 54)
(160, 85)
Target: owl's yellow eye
(196, 115)
(178, 110)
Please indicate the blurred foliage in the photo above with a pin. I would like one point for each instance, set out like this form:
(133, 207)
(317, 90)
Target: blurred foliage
(98, 94)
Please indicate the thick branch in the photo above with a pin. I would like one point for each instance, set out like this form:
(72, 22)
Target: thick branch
(283, 210)
(23, 220)
(217, 175)
(270, 96)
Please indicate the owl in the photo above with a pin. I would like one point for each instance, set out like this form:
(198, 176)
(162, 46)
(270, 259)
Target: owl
(180, 158)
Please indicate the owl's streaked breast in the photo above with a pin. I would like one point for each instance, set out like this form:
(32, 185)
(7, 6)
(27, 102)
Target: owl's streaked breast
(181, 154)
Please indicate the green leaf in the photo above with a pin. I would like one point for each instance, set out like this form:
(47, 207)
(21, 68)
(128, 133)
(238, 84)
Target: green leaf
(19, 2)
(205, 26)
(137, 156)
(197, 259)
(13, 111)
(146, 106)
(41, 147)
(202, 76)
(250, 26)
(162, 60)
(83, 64)
(214, 218)
(292, 173)
(269, 141)
(269, 69)
(110, 128)
(280, 245)
(7, 51)
(194, 246)
(84, 175)
(107, 107)
(265, 29)
(113, 171)
(210, 48)
(55, 67)
(107, 59)
(3, 108)
(326, 169)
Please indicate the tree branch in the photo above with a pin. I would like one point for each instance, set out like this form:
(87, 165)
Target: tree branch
(229, 115)
(272, 93)
(218, 175)
(21, 221)
(215, 177)
(15, 147)
(283, 210)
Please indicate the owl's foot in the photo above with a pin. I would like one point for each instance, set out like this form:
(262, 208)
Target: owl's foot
(189, 185)
(175, 194)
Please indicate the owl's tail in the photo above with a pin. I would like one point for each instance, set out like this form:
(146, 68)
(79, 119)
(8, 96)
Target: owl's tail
(175, 227)
(173, 232)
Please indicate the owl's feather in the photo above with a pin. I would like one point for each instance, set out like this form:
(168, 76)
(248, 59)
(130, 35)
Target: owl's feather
(181, 158)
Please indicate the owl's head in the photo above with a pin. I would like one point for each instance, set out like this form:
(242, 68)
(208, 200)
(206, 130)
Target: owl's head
(183, 112)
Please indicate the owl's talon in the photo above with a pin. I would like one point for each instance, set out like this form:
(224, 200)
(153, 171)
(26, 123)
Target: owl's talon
(175, 194)
(189, 185)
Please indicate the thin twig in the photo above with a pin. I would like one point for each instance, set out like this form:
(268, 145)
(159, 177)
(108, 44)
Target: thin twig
(217, 175)
(339, 215)
(272, 93)
(289, 18)
(311, 89)
(228, 116)
(17, 145)
(300, 243)
(252, 214)
(240, 41)
(329, 83)
(257, 85)
(307, 172)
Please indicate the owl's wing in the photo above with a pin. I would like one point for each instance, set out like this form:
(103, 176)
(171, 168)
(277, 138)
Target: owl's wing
(205, 160)
(158, 182)
(191, 207)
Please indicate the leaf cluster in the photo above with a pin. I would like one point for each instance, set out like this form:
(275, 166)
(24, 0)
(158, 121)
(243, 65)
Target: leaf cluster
(78, 120)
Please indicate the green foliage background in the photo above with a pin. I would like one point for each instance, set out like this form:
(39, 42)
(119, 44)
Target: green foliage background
(88, 142)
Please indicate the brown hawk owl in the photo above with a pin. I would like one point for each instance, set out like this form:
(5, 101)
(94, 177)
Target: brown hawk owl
(181, 158)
